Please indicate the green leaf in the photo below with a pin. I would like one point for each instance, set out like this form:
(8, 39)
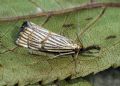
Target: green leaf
(19, 66)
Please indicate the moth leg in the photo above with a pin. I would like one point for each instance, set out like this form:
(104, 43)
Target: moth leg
(62, 54)
(75, 60)
(62, 30)
(8, 50)
(46, 20)
(43, 54)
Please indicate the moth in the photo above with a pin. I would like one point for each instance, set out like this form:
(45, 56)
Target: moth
(40, 39)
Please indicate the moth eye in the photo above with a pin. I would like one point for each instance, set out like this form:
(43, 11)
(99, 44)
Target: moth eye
(81, 49)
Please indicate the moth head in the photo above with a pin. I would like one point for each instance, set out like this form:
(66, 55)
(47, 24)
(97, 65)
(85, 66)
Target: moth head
(77, 47)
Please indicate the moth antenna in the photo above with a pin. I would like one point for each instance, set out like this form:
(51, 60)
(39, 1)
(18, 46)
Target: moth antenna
(80, 42)
(92, 22)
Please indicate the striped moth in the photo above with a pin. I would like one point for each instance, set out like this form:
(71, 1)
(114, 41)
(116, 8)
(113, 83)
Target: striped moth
(38, 38)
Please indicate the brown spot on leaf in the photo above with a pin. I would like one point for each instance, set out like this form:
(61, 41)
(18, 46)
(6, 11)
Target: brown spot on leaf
(89, 18)
(67, 25)
(110, 37)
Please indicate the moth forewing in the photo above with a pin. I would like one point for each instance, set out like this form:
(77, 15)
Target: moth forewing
(37, 38)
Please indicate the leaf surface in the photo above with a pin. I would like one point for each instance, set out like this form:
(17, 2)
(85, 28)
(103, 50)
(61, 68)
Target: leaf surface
(18, 65)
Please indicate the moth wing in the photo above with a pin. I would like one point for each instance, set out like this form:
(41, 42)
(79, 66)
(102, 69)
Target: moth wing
(37, 38)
